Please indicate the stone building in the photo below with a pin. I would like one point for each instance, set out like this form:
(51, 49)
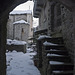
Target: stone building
(23, 22)
(58, 20)
(21, 30)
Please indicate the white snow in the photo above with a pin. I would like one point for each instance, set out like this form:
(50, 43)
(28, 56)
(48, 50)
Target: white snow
(61, 71)
(53, 54)
(48, 43)
(55, 62)
(57, 71)
(53, 50)
(15, 42)
(43, 36)
(19, 63)
(29, 50)
(33, 46)
(21, 21)
(21, 12)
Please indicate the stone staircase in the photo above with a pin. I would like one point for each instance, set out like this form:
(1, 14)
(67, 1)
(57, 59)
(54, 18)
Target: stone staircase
(55, 58)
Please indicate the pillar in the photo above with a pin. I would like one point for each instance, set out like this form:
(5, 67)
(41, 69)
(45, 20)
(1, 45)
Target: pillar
(3, 32)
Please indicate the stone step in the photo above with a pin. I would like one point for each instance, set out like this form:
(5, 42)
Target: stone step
(56, 40)
(56, 57)
(56, 65)
(62, 72)
(60, 52)
(57, 47)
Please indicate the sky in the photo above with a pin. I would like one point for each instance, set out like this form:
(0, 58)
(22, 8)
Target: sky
(25, 6)
(28, 6)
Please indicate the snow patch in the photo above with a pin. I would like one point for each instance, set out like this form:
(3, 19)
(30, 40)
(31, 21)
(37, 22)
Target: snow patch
(48, 43)
(21, 12)
(58, 71)
(55, 62)
(15, 42)
(53, 54)
(21, 21)
(43, 36)
(29, 50)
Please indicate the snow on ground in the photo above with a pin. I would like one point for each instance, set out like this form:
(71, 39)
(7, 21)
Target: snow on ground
(19, 63)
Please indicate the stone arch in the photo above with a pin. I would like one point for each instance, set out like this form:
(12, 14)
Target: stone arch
(5, 7)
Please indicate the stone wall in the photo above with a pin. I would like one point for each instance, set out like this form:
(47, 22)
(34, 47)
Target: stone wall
(21, 32)
(43, 20)
(18, 17)
(10, 26)
(58, 20)
(63, 27)
(30, 21)
(67, 30)
(18, 48)
(13, 17)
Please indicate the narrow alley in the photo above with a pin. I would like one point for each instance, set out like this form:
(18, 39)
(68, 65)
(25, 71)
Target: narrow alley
(19, 63)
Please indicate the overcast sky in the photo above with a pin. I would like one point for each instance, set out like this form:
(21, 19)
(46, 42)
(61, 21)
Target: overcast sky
(25, 6)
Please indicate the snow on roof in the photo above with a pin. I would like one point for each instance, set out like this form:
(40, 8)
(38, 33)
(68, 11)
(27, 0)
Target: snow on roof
(48, 43)
(15, 42)
(43, 36)
(21, 12)
(21, 21)
(33, 45)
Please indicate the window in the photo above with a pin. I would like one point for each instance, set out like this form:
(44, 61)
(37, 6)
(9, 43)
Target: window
(22, 30)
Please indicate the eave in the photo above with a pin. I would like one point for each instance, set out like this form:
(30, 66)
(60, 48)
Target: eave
(37, 8)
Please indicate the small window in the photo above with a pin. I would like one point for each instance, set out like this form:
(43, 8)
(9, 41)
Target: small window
(22, 30)
(31, 29)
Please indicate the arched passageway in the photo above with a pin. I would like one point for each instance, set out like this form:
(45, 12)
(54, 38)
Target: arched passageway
(5, 7)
